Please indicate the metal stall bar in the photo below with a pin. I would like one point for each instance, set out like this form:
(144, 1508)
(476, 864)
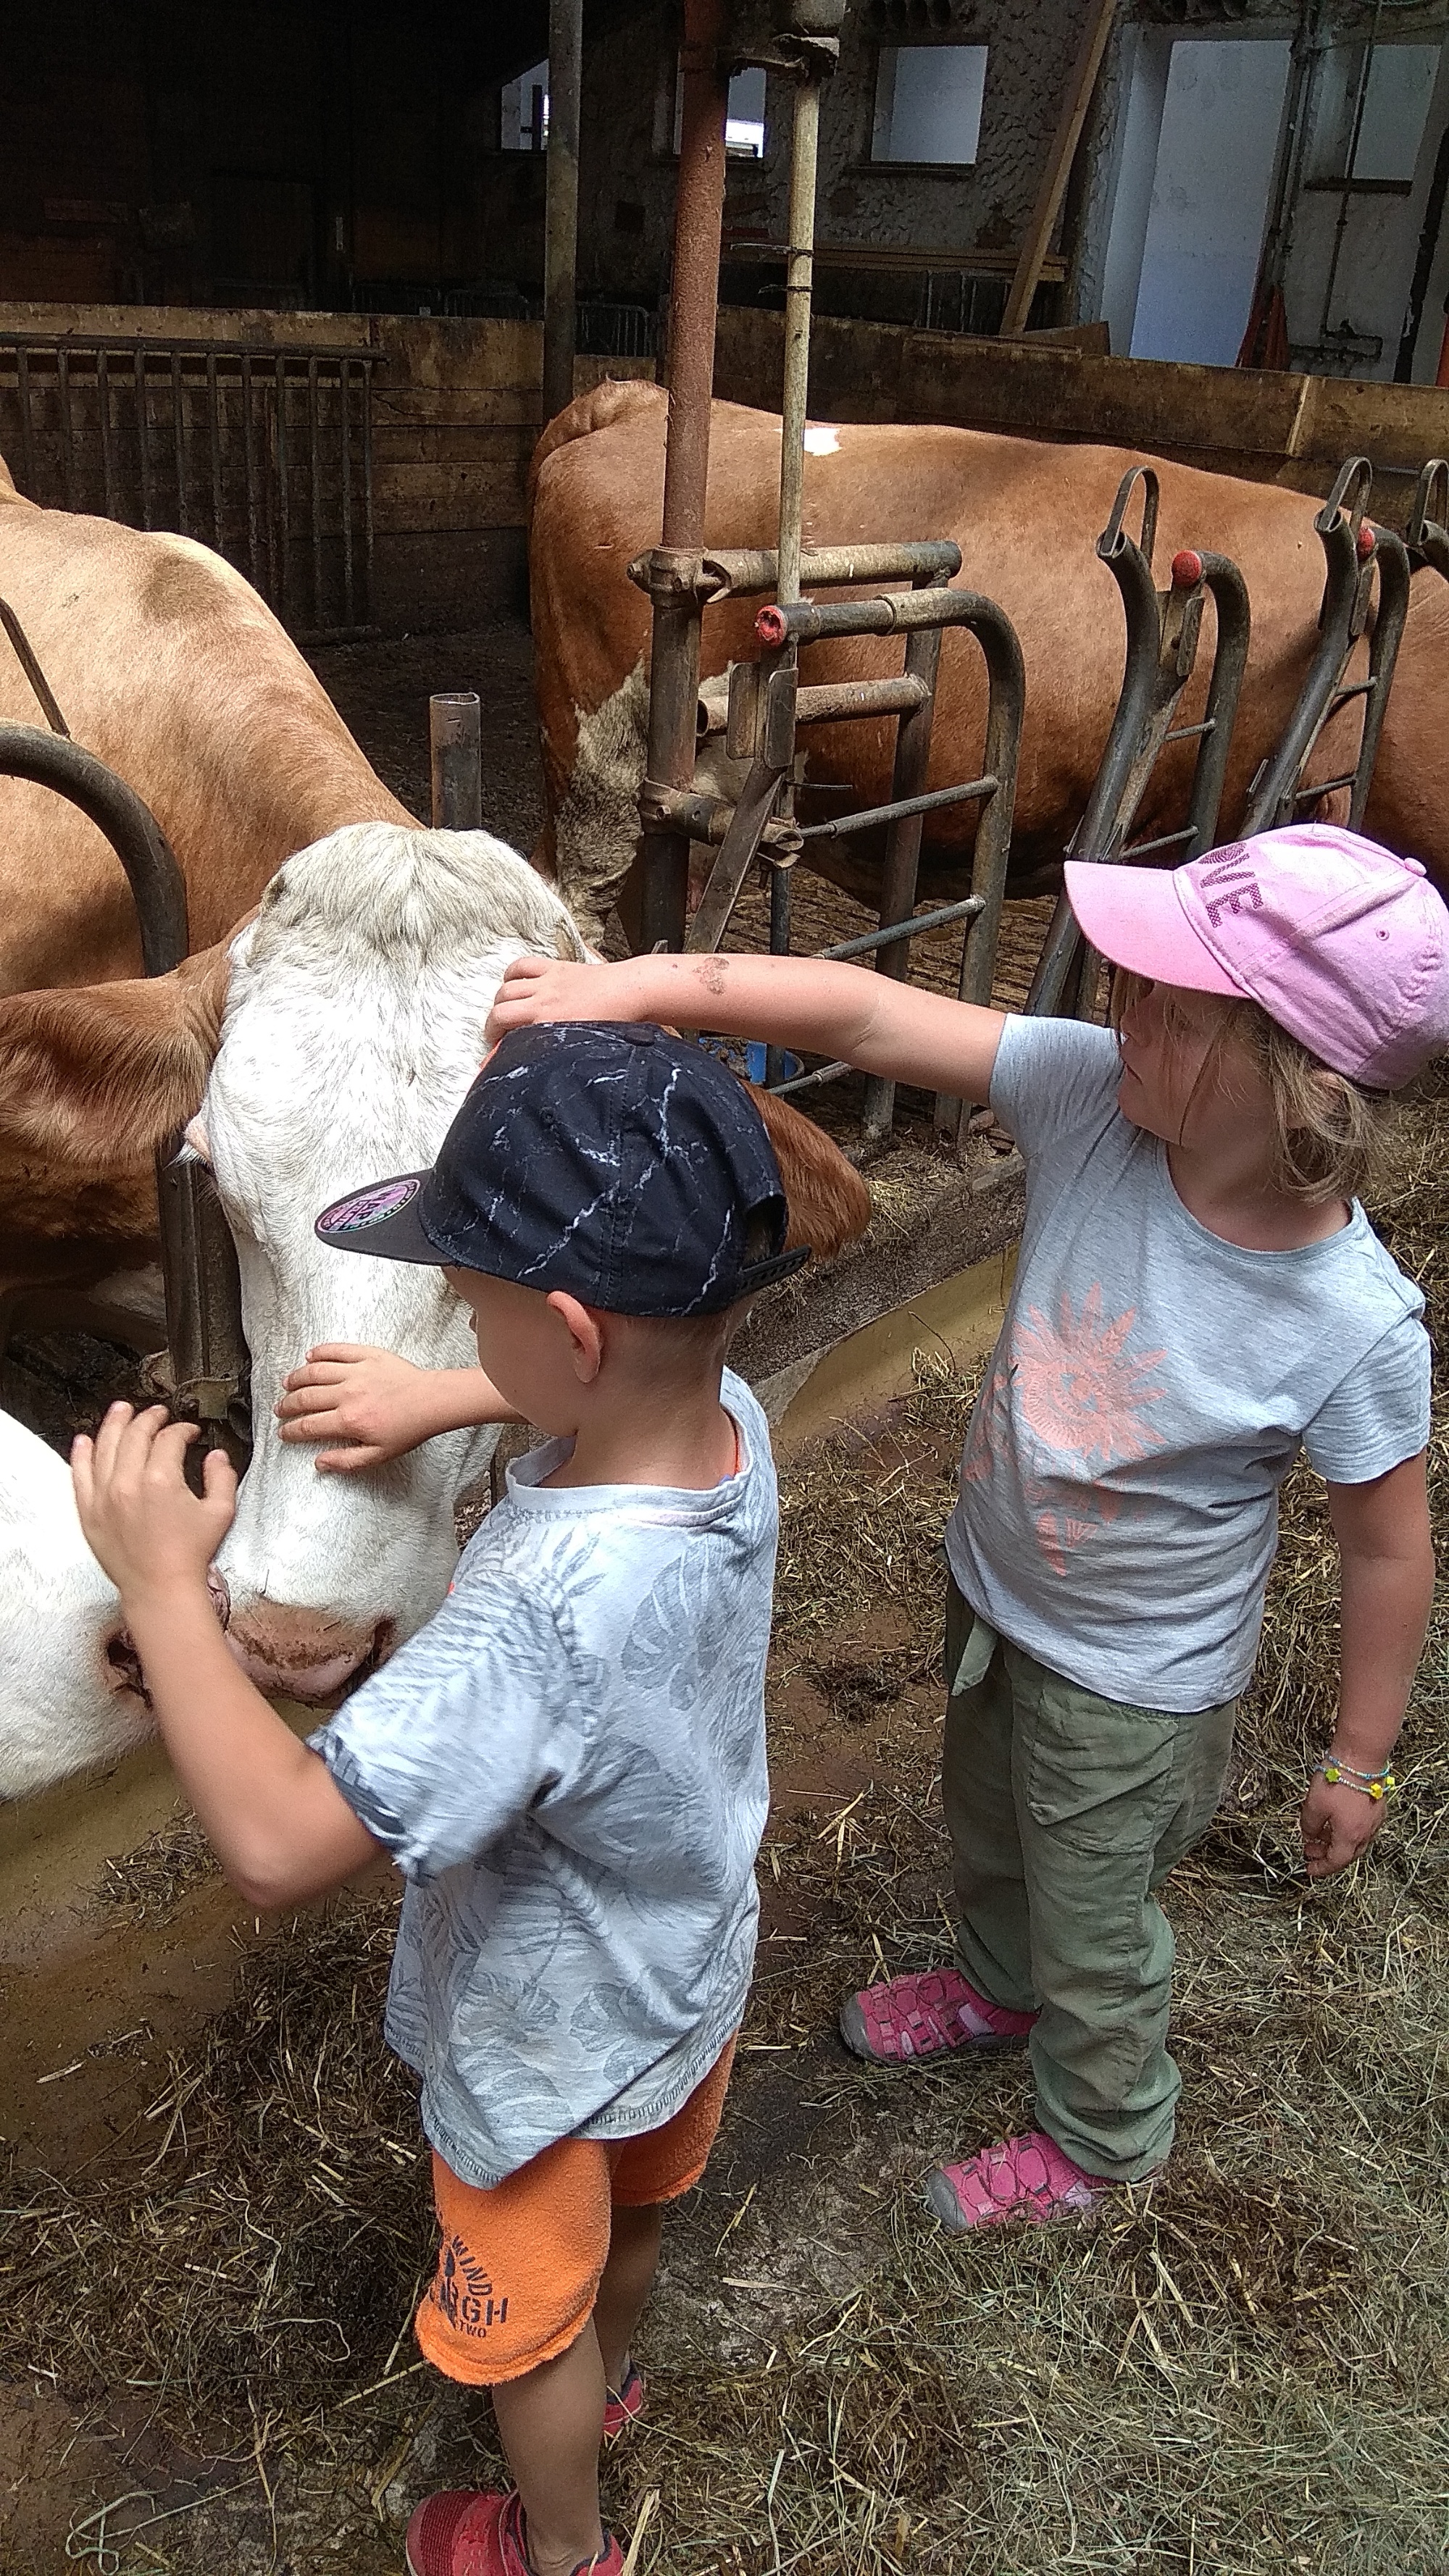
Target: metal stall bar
(1427, 534)
(455, 747)
(1352, 548)
(917, 613)
(674, 565)
(1163, 632)
(233, 483)
(561, 205)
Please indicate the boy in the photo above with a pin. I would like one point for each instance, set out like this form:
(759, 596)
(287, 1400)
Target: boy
(568, 1762)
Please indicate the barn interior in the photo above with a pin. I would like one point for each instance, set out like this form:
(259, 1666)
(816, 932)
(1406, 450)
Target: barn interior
(287, 282)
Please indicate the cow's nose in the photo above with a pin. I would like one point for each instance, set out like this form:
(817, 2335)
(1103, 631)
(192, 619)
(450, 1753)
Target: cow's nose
(304, 1654)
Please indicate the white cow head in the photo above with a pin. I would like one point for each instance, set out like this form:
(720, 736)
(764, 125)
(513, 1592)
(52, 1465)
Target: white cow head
(353, 1027)
(64, 1703)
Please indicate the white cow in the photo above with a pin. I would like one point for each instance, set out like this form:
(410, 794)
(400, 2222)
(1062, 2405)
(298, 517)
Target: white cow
(64, 1703)
(353, 1026)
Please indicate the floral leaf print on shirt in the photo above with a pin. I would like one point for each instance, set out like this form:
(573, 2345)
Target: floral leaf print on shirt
(1078, 1393)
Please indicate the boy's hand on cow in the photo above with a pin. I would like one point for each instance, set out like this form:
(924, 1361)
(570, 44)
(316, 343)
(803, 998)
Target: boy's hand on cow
(368, 1403)
(142, 1522)
(373, 1406)
(1337, 1823)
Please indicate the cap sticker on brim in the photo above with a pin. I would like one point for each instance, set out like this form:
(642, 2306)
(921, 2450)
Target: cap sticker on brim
(370, 1207)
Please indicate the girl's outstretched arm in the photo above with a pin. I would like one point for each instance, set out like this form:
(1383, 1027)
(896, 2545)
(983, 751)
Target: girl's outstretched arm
(826, 1009)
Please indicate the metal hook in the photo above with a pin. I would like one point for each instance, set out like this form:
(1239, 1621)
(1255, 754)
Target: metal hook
(1112, 538)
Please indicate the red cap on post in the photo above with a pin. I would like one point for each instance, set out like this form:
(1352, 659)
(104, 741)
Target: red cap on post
(1186, 569)
(1366, 539)
(771, 628)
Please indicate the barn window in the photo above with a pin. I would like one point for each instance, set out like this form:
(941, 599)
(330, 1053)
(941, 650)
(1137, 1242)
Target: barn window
(928, 104)
(523, 111)
(744, 114)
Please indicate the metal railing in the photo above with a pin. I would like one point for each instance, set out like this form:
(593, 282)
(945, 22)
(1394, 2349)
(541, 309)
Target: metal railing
(264, 454)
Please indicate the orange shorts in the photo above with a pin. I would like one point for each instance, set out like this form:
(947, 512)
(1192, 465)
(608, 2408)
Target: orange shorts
(520, 2265)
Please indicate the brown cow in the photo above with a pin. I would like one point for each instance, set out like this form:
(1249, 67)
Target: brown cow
(169, 667)
(1026, 516)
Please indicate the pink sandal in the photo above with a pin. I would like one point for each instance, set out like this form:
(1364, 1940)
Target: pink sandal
(1028, 2177)
(624, 2405)
(466, 2534)
(910, 2018)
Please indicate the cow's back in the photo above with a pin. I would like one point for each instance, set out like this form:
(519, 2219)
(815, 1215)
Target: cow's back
(1026, 514)
(168, 666)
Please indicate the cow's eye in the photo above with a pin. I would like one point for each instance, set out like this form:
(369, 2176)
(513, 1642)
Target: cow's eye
(196, 1137)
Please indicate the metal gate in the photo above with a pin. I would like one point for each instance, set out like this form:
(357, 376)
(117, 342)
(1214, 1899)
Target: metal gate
(265, 454)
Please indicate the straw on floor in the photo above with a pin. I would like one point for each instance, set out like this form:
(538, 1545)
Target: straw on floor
(1241, 2367)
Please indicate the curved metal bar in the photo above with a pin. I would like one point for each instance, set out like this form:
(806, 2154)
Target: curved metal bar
(25, 656)
(52, 760)
(1105, 824)
(1113, 536)
(1340, 622)
(1230, 659)
(1392, 557)
(1427, 534)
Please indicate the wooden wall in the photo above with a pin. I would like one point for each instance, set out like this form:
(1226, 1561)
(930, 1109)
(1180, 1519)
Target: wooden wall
(456, 413)
(1270, 428)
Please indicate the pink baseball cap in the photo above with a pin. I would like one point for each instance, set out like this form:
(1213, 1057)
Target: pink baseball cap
(1345, 945)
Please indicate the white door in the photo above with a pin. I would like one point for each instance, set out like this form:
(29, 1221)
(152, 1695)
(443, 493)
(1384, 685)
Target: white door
(1204, 117)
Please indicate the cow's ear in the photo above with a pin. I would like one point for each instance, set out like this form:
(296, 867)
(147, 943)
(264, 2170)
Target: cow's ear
(92, 1079)
(828, 1201)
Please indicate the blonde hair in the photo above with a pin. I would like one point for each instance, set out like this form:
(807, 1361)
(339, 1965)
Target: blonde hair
(1332, 1138)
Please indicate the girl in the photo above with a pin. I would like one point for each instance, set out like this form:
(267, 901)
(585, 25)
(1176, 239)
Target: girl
(1198, 1295)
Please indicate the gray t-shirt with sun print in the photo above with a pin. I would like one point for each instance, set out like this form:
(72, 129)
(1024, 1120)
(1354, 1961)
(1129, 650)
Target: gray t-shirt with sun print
(568, 1765)
(1151, 1388)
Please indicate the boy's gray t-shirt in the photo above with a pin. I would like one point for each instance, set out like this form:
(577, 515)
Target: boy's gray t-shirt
(1150, 1389)
(568, 1765)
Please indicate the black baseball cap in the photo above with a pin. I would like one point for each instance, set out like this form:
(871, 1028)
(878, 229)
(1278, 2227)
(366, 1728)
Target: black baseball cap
(601, 1157)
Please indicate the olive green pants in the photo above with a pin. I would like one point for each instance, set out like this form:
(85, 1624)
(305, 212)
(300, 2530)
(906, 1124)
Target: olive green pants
(1065, 1811)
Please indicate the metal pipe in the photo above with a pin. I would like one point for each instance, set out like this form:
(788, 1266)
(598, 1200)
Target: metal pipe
(839, 701)
(103, 407)
(799, 274)
(314, 484)
(367, 526)
(455, 742)
(902, 863)
(561, 208)
(143, 433)
(178, 440)
(33, 672)
(914, 928)
(27, 422)
(735, 572)
(249, 454)
(67, 433)
(51, 760)
(344, 405)
(841, 824)
(674, 566)
(213, 431)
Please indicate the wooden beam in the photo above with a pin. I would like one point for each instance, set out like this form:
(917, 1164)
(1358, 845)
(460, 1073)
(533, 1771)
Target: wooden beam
(1059, 162)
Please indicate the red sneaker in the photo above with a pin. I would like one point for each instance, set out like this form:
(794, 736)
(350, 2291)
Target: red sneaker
(624, 2405)
(467, 2534)
(1028, 2177)
(924, 2016)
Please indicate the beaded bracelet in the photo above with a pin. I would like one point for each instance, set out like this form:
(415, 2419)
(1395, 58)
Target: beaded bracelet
(1370, 1784)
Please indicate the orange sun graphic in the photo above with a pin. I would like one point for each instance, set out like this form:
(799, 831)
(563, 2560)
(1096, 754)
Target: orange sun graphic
(1075, 1387)
(1080, 1390)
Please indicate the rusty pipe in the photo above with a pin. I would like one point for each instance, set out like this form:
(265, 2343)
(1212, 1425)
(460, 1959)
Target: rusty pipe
(694, 297)
(561, 205)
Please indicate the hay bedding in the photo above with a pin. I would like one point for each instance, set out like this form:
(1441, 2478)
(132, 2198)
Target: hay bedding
(1243, 2367)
